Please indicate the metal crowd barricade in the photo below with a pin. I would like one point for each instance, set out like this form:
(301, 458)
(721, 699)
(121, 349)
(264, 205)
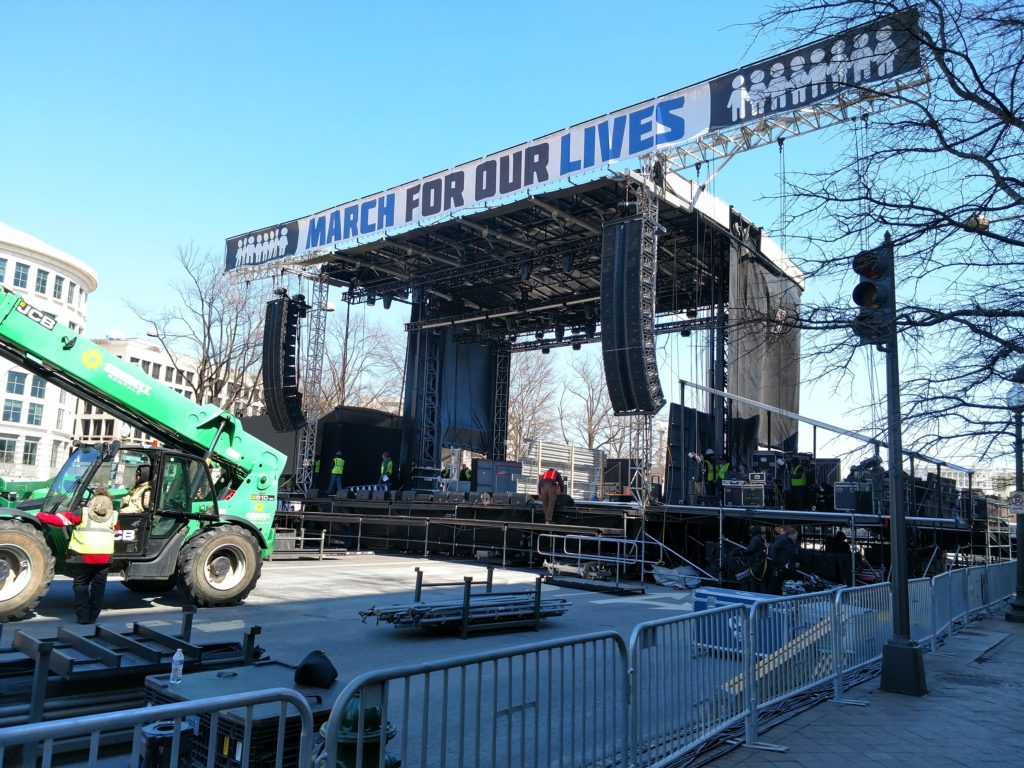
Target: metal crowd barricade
(792, 642)
(958, 605)
(864, 615)
(922, 617)
(1002, 580)
(688, 682)
(976, 601)
(36, 738)
(561, 702)
(942, 611)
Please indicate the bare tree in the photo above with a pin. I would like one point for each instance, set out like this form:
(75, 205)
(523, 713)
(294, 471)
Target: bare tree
(584, 409)
(213, 333)
(533, 394)
(942, 173)
(364, 365)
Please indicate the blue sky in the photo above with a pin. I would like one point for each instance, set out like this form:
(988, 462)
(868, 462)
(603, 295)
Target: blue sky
(129, 128)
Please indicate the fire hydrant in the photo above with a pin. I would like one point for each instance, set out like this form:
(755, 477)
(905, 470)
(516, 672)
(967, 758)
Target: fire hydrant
(374, 739)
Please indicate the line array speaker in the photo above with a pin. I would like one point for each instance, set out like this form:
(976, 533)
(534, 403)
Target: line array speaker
(280, 363)
(627, 320)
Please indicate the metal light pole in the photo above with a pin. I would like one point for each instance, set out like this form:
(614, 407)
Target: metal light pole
(1015, 402)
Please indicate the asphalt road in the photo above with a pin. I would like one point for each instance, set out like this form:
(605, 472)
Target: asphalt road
(304, 605)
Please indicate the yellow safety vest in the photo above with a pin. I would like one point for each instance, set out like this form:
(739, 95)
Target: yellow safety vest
(339, 466)
(93, 537)
(386, 466)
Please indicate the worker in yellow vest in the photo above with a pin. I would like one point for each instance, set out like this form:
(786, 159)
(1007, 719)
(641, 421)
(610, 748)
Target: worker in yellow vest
(90, 549)
(387, 469)
(337, 472)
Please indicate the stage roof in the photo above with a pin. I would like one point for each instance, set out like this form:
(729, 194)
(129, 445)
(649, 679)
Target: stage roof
(533, 265)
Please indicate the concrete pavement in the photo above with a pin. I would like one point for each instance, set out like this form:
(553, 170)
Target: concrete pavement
(973, 714)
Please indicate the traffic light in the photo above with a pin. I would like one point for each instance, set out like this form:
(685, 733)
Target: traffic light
(875, 294)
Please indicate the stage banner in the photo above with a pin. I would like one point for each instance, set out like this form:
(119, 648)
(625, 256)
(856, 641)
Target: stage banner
(859, 58)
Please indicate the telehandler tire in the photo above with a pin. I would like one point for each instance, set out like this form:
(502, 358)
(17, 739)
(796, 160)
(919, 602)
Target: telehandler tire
(26, 569)
(219, 566)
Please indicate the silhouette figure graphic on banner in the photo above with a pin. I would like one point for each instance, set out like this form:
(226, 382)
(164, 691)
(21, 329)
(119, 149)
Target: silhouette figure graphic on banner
(818, 73)
(778, 86)
(798, 80)
(885, 52)
(840, 65)
(758, 93)
(860, 58)
(738, 99)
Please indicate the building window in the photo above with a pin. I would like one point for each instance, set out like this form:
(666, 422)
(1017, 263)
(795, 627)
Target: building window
(42, 277)
(12, 411)
(16, 383)
(58, 287)
(178, 378)
(3, 269)
(63, 395)
(87, 408)
(133, 360)
(168, 373)
(38, 387)
(7, 446)
(35, 414)
(156, 370)
(71, 292)
(108, 428)
(54, 452)
(29, 452)
(60, 418)
(21, 275)
(145, 365)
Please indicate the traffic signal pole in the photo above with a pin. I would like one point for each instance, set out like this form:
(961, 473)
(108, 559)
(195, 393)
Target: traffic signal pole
(902, 658)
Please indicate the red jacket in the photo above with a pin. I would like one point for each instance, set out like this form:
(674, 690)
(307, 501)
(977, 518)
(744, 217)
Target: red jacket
(63, 519)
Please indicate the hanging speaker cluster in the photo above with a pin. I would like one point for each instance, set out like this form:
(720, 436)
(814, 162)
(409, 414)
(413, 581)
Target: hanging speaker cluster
(627, 319)
(281, 364)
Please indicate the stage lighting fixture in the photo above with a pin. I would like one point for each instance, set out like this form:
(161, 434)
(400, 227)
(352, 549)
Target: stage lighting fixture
(370, 299)
(524, 273)
(559, 332)
(591, 330)
(545, 350)
(386, 300)
(691, 313)
(281, 292)
(577, 346)
(540, 335)
(685, 332)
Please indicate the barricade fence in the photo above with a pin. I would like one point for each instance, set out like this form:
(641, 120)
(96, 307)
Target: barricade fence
(191, 725)
(584, 701)
(544, 704)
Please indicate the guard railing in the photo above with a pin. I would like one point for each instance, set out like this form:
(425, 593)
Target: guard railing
(585, 701)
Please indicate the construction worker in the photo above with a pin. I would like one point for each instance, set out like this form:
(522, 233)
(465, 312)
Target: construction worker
(138, 498)
(783, 558)
(797, 483)
(548, 487)
(387, 468)
(715, 470)
(91, 545)
(337, 471)
(755, 556)
(465, 473)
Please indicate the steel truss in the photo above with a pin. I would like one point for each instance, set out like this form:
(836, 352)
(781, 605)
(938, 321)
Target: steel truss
(502, 381)
(848, 105)
(429, 444)
(312, 382)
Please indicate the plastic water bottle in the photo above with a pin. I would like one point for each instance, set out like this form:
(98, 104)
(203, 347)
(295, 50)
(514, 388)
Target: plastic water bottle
(177, 666)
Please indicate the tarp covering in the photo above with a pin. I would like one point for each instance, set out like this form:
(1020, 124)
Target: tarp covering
(764, 345)
(466, 396)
